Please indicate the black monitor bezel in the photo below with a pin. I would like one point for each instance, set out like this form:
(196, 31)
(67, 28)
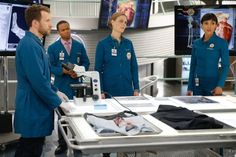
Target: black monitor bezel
(188, 50)
(22, 2)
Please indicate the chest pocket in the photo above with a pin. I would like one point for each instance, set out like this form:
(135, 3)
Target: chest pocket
(108, 56)
(126, 57)
(212, 54)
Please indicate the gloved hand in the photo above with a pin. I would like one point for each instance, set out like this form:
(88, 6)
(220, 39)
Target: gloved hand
(62, 96)
(67, 107)
(79, 69)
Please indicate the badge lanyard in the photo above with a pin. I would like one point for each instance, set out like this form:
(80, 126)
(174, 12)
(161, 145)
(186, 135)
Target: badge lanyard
(114, 50)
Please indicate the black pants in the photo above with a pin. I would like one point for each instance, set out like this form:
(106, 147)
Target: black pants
(30, 147)
(61, 140)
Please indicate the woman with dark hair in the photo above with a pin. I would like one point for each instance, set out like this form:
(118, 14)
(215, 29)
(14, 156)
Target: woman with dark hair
(205, 78)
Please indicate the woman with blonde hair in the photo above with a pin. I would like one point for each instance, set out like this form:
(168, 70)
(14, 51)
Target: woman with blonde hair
(116, 61)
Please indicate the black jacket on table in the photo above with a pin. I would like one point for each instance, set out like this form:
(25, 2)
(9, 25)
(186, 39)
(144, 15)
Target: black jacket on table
(183, 119)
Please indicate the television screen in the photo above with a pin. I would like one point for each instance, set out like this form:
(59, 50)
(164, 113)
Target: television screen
(12, 24)
(137, 12)
(23, 1)
(188, 26)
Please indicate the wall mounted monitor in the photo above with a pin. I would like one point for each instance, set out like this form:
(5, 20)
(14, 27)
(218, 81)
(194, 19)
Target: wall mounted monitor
(188, 26)
(12, 24)
(23, 1)
(137, 12)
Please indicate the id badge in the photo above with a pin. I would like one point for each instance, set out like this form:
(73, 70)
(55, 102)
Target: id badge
(196, 81)
(61, 56)
(114, 52)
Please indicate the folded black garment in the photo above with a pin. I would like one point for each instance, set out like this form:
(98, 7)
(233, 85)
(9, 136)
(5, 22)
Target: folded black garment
(183, 119)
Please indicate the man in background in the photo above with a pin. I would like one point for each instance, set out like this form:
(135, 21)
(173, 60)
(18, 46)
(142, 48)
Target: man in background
(66, 50)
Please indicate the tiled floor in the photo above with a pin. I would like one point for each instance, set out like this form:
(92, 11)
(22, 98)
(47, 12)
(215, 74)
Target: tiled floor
(164, 89)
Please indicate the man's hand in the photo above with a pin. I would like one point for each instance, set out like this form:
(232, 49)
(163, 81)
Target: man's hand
(67, 72)
(103, 96)
(189, 93)
(70, 72)
(217, 91)
(73, 75)
(136, 93)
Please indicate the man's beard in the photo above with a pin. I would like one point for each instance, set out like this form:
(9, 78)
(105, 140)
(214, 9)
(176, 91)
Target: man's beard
(44, 32)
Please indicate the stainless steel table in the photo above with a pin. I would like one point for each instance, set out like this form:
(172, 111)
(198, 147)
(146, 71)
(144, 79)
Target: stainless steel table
(82, 139)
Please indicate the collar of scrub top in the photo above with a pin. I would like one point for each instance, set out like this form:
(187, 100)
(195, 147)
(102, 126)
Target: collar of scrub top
(39, 40)
(115, 42)
(211, 40)
(64, 42)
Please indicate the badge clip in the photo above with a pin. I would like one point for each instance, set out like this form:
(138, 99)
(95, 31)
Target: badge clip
(114, 52)
(61, 56)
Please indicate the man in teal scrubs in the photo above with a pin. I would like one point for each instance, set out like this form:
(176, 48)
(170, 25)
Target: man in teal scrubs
(36, 98)
(66, 50)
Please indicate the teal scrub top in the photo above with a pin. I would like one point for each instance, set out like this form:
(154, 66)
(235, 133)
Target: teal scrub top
(36, 98)
(77, 56)
(205, 64)
(117, 64)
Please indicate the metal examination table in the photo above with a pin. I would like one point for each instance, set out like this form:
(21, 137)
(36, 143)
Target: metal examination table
(83, 140)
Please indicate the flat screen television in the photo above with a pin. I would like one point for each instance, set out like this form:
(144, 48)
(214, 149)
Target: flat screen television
(12, 24)
(137, 12)
(188, 26)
